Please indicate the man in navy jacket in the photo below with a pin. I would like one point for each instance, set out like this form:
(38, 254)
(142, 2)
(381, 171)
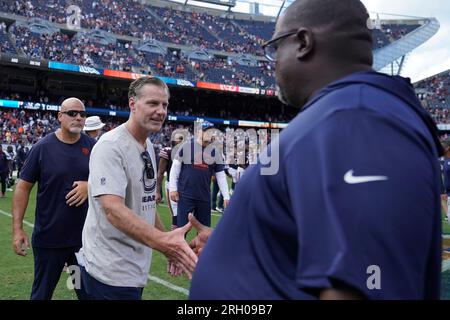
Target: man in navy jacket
(354, 209)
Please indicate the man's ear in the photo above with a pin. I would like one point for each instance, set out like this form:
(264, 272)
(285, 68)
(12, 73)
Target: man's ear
(131, 104)
(306, 43)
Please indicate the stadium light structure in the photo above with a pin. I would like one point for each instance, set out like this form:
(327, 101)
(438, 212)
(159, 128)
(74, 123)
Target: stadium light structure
(392, 58)
(226, 3)
(270, 8)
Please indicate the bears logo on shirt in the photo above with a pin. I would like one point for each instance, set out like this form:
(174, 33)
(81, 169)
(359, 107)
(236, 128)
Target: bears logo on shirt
(149, 184)
(85, 151)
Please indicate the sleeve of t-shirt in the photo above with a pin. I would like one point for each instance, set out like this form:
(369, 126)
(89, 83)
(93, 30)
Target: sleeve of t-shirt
(107, 170)
(31, 169)
(353, 192)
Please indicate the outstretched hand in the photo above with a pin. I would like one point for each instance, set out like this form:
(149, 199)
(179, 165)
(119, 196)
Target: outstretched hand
(178, 252)
(203, 233)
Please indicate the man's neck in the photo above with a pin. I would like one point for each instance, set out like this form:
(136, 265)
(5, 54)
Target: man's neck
(337, 74)
(67, 137)
(140, 135)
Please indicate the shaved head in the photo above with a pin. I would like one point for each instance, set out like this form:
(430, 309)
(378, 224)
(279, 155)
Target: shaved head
(327, 40)
(341, 15)
(71, 103)
(71, 125)
(342, 21)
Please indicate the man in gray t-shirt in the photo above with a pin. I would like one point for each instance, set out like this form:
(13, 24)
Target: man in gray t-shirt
(122, 226)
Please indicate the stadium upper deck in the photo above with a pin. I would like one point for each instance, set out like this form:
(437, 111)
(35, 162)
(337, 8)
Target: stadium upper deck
(165, 39)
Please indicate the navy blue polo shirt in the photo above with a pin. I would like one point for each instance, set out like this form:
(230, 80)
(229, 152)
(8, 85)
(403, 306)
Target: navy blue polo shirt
(55, 166)
(198, 166)
(357, 190)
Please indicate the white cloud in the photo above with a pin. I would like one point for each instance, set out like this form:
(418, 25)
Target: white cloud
(434, 56)
(431, 58)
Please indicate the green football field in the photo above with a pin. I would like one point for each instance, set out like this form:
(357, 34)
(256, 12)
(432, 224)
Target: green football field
(16, 273)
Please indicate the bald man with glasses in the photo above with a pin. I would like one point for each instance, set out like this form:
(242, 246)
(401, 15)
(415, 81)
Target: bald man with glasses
(59, 163)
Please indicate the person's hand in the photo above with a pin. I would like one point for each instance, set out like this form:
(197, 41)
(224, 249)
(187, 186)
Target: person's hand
(173, 269)
(20, 242)
(225, 203)
(177, 251)
(174, 196)
(78, 195)
(203, 233)
(158, 197)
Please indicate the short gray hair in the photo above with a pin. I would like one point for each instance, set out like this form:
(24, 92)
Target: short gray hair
(138, 84)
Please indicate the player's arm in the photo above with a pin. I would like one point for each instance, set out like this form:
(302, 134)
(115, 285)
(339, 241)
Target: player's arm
(162, 167)
(227, 171)
(19, 206)
(223, 186)
(171, 244)
(173, 181)
(28, 176)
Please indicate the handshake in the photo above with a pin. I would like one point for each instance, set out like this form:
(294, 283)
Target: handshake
(182, 256)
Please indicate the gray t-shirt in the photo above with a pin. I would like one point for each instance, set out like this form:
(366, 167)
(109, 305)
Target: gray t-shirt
(116, 168)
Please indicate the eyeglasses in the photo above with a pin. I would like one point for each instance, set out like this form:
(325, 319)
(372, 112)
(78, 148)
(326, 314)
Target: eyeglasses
(148, 166)
(270, 50)
(74, 113)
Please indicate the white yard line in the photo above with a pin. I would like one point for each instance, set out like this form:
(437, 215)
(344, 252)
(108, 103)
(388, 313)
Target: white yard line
(151, 278)
(168, 284)
(9, 215)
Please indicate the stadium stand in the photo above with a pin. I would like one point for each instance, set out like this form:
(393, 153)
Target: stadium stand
(434, 92)
(205, 31)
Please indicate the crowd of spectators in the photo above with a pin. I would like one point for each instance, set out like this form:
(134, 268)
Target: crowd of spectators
(31, 126)
(220, 70)
(434, 93)
(131, 18)
(75, 50)
(440, 115)
(22, 125)
(185, 104)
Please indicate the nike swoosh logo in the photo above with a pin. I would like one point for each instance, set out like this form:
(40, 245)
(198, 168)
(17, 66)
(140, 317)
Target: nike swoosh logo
(351, 179)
